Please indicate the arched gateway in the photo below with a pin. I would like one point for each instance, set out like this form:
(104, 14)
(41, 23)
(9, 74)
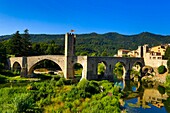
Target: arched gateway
(67, 61)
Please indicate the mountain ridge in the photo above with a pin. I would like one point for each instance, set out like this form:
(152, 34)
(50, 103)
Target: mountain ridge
(109, 43)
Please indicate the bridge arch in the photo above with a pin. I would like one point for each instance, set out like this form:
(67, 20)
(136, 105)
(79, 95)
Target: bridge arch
(13, 60)
(16, 67)
(36, 62)
(119, 68)
(138, 65)
(78, 70)
(101, 68)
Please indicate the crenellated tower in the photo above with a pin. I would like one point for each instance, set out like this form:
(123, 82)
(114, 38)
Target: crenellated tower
(69, 54)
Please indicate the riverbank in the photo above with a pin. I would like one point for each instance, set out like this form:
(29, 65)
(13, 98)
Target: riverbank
(61, 96)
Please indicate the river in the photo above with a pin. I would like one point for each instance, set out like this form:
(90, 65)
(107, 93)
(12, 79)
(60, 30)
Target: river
(145, 98)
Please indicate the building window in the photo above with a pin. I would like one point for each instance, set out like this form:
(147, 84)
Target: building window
(160, 100)
(154, 57)
(159, 57)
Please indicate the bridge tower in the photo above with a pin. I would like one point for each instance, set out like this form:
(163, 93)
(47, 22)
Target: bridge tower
(69, 55)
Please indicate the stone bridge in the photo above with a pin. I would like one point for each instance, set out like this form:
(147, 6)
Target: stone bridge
(66, 62)
(89, 64)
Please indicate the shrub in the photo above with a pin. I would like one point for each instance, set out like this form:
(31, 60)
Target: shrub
(167, 80)
(92, 87)
(1, 66)
(2, 79)
(118, 70)
(56, 77)
(82, 84)
(44, 76)
(168, 64)
(162, 69)
(101, 68)
(161, 89)
(16, 100)
(61, 82)
(107, 86)
(23, 103)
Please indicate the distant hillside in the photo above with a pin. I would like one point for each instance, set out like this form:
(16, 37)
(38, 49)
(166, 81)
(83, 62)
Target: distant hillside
(108, 43)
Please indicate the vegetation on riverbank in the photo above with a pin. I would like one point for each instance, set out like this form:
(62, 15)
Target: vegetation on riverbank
(61, 96)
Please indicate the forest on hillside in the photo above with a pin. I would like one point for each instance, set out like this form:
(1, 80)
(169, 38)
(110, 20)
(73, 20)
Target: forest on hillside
(92, 44)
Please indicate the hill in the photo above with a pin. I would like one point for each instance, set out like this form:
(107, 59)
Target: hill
(103, 44)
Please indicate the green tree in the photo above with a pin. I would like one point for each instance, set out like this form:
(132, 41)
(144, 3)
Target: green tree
(36, 48)
(101, 68)
(85, 53)
(168, 64)
(16, 44)
(26, 44)
(104, 53)
(162, 69)
(3, 55)
(118, 70)
(20, 45)
(167, 53)
(161, 89)
(53, 49)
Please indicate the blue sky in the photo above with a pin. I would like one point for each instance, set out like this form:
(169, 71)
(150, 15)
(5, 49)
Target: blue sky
(85, 16)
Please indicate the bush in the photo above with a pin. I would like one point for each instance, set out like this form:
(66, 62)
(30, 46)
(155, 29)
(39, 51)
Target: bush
(82, 84)
(168, 64)
(23, 103)
(2, 79)
(16, 100)
(167, 80)
(118, 70)
(61, 82)
(162, 69)
(101, 68)
(44, 76)
(161, 89)
(1, 66)
(92, 87)
(106, 86)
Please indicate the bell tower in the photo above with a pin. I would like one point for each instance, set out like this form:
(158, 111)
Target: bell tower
(69, 55)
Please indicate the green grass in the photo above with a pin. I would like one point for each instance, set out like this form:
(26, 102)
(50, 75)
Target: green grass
(7, 79)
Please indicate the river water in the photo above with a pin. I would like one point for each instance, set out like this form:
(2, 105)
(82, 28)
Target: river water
(144, 98)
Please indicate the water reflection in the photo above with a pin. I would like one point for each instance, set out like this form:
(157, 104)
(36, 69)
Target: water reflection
(144, 98)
